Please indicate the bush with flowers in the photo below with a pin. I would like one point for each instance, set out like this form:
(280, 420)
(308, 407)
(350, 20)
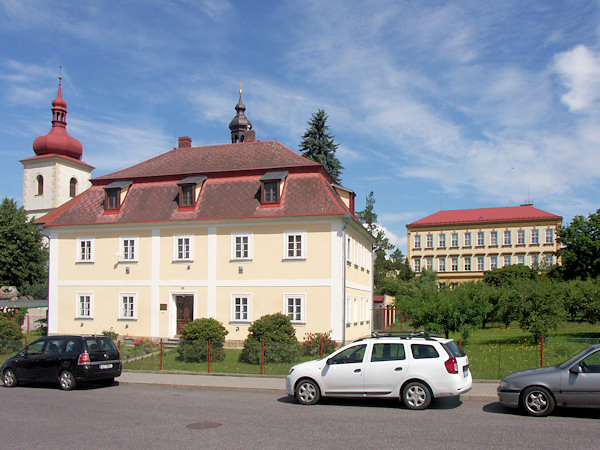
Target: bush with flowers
(312, 344)
(145, 345)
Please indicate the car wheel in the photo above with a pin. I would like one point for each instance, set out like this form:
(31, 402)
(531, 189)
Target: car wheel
(537, 401)
(9, 378)
(416, 395)
(66, 380)
(307, 392)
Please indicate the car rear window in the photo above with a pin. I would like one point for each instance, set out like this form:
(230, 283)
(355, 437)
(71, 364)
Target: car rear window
(453, 349)
(99, 344)
(423, 351)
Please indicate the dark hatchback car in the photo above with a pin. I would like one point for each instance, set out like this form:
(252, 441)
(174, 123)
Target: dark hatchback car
(575, 383)
(67, 360)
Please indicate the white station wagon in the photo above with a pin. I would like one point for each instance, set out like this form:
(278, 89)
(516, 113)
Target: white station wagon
(415, 367)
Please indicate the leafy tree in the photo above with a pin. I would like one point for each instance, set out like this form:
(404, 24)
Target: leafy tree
(580, 253)
(278, 334)
(541, 307)
(23, 256)
(195, 335)
(10, 335)
(317, 144)
(591, 300)
(507, 274)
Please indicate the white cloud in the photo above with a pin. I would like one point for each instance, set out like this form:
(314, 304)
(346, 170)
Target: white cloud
(579, 68)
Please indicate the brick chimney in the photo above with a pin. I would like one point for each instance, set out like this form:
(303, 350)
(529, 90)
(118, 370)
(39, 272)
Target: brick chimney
(249, 136)
(185, 142)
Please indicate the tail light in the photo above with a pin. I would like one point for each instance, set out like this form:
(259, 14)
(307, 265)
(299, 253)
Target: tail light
(84, 358)
(451, 365)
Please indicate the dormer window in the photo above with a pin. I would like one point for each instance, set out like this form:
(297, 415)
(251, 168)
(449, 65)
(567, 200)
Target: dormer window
(272, 186)
(115, 194)
(189, 190)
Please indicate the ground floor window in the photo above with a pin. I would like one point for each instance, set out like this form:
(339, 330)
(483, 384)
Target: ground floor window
(240, 308)
(294, 307)
(85, 308)
(128, 308)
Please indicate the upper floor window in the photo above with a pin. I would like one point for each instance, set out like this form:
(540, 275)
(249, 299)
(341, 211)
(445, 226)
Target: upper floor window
(349, 249)
(73, 187)
(429, 263)
(441, 264)
(183, 248)
(454, 240)
(295, 308)
(241, 246)
(481, 238)
(128, 306)
(295, 246)
(188, 188)
(467, 263)
(430, 241)
(507, 237)
(535, 260)
(549, 236)
(493, 262)
(467, 239)
(520, 259)
(113, 194)
(493, 238)
(272, 185)
(85, 250)
(129, 248)
(535, 236)
(521, 237)
(480, 263)
(507, 260)
(417, 241)
(442, 240)
(548, 260)
(40, 185)
(455, 264)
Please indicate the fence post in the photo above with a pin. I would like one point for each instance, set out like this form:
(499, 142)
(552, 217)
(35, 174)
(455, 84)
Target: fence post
(401, 322)
(25, 340)
(262, 359)
(542, 352)
(209, 349)
(119, 346)
(322, 347)
(460, 342)
(161, 354)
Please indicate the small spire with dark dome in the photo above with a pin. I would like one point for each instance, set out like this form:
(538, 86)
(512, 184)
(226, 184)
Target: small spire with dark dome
(58, 141)
(240, 124)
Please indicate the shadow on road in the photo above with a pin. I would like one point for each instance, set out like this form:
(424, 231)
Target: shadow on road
(583, 413)
(438, 403)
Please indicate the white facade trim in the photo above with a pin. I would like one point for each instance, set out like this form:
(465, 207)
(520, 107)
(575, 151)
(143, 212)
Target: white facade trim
(211, 254)
(358, 287)
(202, 283)
(336, 303)
(154, 284)
(53, 283)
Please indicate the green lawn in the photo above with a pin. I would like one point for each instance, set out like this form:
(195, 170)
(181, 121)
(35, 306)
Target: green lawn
(493, 353)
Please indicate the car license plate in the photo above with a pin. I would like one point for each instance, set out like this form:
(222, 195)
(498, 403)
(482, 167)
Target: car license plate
(466, 371)
(105, 366)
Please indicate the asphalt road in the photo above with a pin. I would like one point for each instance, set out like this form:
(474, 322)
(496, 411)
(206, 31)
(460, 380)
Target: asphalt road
(164, 417)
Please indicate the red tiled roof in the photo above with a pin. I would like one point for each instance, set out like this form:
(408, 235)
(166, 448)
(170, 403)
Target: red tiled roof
(220, 198)
(214, 158)
(481, 215)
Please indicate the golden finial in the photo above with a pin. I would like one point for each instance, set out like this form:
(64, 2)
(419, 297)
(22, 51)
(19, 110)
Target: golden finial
(240, 86)
(59, 73)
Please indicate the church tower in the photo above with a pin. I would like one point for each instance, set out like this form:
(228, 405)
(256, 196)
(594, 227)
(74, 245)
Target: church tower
(56, 173)
(240, 126)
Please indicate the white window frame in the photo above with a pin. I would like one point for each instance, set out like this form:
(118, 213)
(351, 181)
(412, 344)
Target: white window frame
(248, 299)
(442, 264)
(535, 259)
(467, 263)
(348, 249)
(520, 237)
(417, 241)
(535, 236)
(442, 240)
(467, 239)
(122, 240)
(493, 262)
(454, 240)
(480, 263)
(78, 313)
(549, 236)
(234, 246)
(356, 254)
(481, 238)
(548, 259)
(362, 309)
(190, 255)
(521, 259)
(286, 237)
(507, 237)
(429, 263)
(505, 259)
(348, 301)
(429, 242)
(454, 264)
(493, 238)
(302, 298)
(417, 264)
(80, 253)
(134, 306)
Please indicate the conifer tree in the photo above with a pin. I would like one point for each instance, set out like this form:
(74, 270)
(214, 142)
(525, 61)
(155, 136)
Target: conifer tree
(318, 145)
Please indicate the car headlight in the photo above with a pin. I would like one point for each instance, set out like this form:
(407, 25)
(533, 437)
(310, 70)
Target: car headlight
(503, 384)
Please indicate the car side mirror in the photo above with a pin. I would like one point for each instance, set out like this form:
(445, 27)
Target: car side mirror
(329, 362)
(575, 369)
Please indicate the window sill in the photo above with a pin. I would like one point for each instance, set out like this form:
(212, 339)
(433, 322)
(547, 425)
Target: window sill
(128, 319)
(128, 261)
(83, 318)
(183, 261)
(84, 262)
(298, 323)
(295, 259)
(239, 260)
(240, 322)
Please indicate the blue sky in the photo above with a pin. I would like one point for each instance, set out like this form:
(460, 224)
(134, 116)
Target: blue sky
(435, 105)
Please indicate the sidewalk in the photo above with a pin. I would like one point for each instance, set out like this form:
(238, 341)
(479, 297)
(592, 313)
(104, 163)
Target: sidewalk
(482, 390)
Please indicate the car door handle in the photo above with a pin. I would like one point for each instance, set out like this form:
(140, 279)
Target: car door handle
(398, 369)
(356, 370)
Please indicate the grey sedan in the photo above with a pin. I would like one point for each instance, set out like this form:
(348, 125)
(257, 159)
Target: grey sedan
(575, 383)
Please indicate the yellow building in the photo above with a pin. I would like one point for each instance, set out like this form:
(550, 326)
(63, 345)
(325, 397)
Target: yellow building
(232, 232)
(459, 245)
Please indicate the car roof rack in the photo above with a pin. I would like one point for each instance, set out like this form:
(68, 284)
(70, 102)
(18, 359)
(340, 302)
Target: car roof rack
(408, 334)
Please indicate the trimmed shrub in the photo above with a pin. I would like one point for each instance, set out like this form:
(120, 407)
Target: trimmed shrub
(110, 333)
(11, 335)
(195, 335)
(312, 344)
(279, 336)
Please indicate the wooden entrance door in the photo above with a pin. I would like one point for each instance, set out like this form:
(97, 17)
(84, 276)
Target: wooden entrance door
(185, 310)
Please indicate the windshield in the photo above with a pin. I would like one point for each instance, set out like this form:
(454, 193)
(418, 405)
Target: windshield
(574, 358)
